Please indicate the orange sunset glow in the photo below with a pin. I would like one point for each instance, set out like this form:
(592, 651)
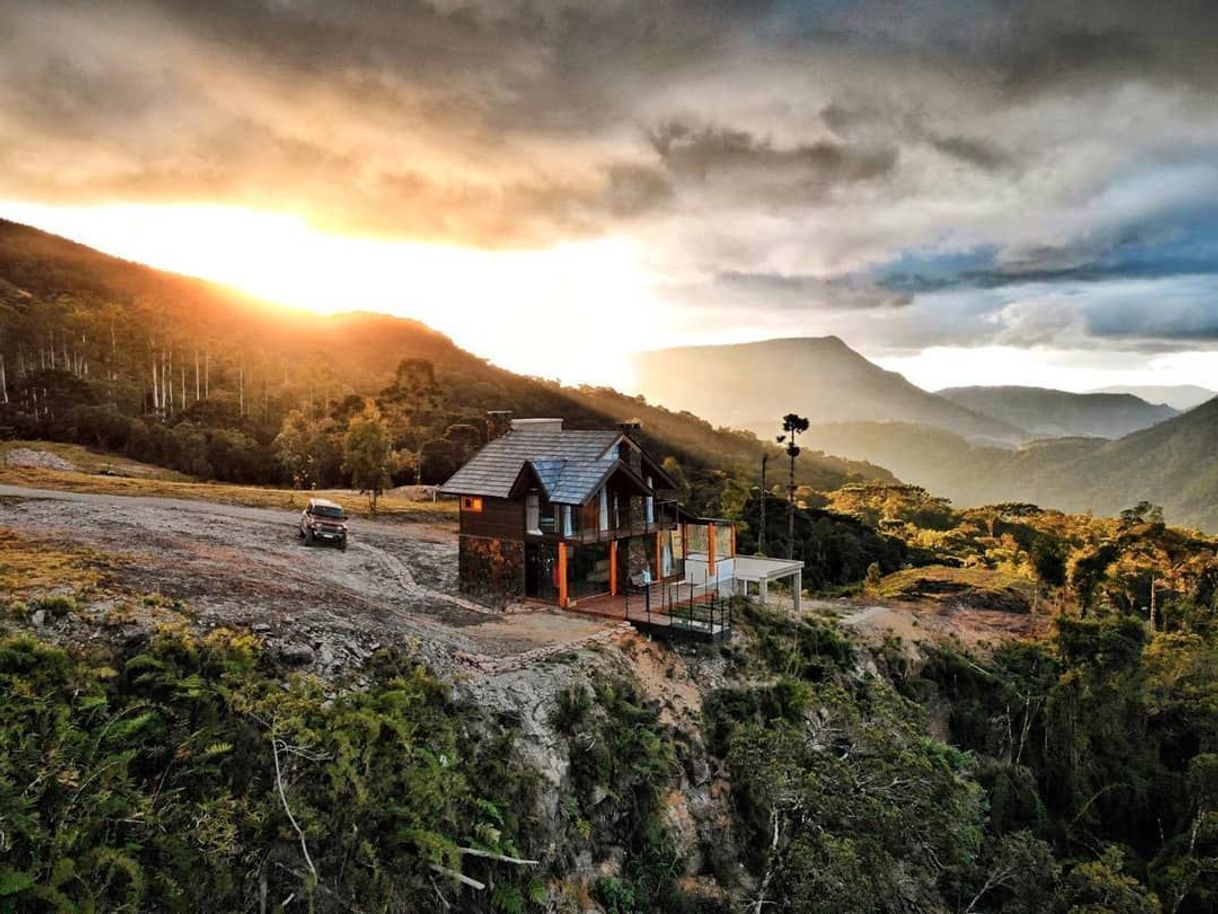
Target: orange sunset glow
(475, 296)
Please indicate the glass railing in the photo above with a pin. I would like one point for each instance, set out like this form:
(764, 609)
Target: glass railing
(696, 609)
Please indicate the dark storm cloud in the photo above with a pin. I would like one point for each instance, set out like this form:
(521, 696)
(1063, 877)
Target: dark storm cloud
(826, 157)
(778, 290)
(703, 151)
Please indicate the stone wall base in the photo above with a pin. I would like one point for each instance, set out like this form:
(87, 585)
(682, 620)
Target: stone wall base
(490, 568)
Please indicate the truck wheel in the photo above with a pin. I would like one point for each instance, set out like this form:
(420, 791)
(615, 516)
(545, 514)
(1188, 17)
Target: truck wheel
(343, 545)
(308, 537)
(300, 533)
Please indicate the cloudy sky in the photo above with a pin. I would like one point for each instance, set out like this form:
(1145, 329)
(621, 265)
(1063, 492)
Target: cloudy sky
(970, 192)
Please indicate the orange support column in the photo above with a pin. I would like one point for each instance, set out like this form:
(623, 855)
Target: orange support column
(562, 575)
(659, 558)
(710, 550)
(613, 567)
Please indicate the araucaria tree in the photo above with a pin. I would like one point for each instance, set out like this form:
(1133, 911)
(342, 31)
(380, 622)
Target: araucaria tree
(368, 454)
(793, 426)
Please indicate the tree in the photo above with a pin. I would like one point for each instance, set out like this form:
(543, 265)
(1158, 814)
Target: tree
(1142, 513)
(793, 426)
(413, 396)
(368, 454)
(1103, 887)
(676, 472)
(1049, 556)
(874, 576)
(307, 449)
(1022, 872)
(293, 448)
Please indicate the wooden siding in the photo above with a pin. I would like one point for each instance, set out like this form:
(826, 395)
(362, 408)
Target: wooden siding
(501, 518)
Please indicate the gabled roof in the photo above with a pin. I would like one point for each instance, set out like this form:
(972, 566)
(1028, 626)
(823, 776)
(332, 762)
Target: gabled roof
(569, 463)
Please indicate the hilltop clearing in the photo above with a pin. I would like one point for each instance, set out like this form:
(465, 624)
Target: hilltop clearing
(245, 568)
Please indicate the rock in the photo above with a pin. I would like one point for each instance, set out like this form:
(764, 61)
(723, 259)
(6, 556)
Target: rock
(325, 655)
(39, 618)
(42, 460)
(260, 627)
(296, 655)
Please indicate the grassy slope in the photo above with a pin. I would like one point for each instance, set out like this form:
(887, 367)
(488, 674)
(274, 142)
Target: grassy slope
(978, 587)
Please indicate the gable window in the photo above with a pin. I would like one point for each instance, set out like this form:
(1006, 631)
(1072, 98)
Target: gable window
(604, 515)
(532, 513)
(651, 503)
(472, 503)
(568, 528)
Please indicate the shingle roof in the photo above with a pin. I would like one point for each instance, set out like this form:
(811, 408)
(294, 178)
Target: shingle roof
(579, 481)
(568, 462)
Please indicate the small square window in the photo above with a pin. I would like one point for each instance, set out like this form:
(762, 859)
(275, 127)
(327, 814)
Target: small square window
(471, 503)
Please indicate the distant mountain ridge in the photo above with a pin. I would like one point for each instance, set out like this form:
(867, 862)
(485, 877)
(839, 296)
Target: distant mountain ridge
(750, 385)
(1181, 397)
(1047, 413)
(1172, 464)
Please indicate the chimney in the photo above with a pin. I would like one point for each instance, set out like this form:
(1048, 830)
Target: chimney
(630, 428)
(498, 421)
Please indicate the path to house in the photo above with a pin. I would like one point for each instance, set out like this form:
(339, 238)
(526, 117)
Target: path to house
(241, 566)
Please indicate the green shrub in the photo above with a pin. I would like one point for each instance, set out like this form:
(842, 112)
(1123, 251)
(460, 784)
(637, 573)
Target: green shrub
(148, 782)
(57, 606)
(616, 896)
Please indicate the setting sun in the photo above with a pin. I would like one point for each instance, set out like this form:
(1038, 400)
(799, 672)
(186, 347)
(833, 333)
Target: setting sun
(478, 297)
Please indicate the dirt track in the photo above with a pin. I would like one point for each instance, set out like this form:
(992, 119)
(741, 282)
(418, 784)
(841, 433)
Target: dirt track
(242, 566)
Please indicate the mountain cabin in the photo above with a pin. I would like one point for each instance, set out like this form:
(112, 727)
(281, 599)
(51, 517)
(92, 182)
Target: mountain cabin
(586, 519)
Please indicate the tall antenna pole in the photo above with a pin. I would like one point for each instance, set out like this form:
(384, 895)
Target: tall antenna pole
(765, 458)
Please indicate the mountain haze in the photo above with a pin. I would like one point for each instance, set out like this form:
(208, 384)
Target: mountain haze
(1046, 413)
(750, 385)
(1170, 464)
(1180, 397)
(81, 330)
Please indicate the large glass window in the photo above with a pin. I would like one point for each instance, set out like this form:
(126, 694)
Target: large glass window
(532, 513)
(650, 505)
(604, 512)
(588, 571)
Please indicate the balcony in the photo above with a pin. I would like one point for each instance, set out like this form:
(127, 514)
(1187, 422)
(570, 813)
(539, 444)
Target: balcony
(584, 537)
(586, 530)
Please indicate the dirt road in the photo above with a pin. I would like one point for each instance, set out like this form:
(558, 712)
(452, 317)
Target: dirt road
(240, 566)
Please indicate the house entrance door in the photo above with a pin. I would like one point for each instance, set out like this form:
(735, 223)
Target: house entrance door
(541, 571)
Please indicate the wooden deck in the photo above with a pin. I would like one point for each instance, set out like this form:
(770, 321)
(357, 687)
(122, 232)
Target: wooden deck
(697, 621)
